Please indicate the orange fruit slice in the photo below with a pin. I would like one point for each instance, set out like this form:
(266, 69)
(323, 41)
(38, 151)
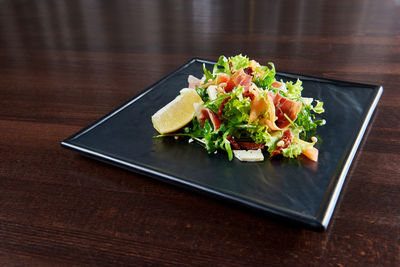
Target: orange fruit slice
(176, 113)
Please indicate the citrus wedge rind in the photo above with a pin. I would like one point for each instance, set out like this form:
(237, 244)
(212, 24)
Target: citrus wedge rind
(177, 113)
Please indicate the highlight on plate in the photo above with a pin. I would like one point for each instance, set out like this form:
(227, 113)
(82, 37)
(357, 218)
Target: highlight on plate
(239, 107)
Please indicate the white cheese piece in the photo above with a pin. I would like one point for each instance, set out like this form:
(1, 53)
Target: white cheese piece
(212, 92)
(307, 100)
(249, 155)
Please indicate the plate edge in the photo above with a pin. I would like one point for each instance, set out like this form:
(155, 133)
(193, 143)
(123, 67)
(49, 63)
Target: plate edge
(336, 192)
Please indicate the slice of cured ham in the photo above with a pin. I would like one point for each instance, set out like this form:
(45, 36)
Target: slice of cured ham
(279, 85)
(285, 106)
(270, 110)
(204, 113)
(251, 145)
(244, 145)
(222, 78)
(193, 81)
(262, 109)
(239, 78)
(222, 106)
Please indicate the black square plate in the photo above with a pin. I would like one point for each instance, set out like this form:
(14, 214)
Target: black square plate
(295, 189)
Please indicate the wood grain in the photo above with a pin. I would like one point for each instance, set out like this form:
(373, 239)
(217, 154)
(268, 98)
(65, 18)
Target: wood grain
(64, 64)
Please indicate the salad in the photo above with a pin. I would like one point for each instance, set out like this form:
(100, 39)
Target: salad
(245, 111)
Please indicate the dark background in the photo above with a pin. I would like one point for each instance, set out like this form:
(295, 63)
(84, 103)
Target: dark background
(64, 64)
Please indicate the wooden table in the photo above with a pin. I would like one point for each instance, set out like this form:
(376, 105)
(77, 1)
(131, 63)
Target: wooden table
(64, 64)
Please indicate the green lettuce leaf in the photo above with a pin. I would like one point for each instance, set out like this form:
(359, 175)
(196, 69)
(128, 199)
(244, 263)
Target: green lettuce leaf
(222, 66)
(226, 145)
(318, 108)
(239, 62)
(294, 90)
(216, 103)
(295, 148)
(207, 73)
(268, 77)
(202, 92)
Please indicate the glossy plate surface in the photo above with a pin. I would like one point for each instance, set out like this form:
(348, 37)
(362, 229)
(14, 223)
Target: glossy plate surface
(295, 189)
